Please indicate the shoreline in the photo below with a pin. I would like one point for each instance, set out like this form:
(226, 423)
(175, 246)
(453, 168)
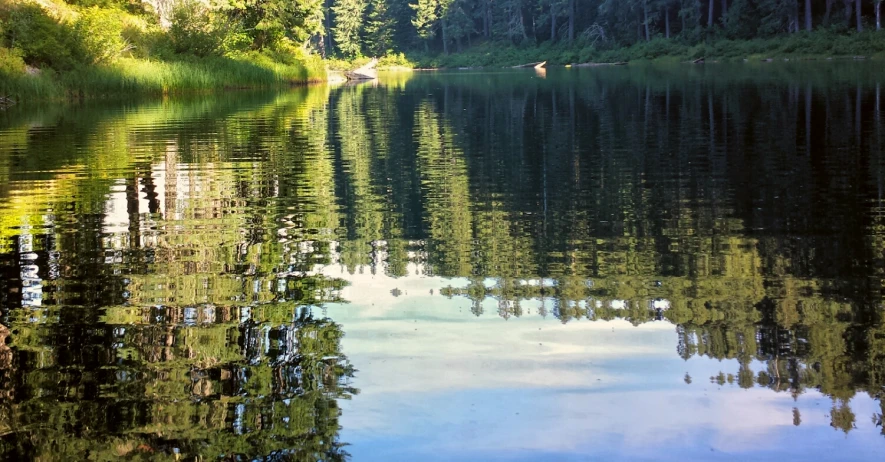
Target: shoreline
(76, 86)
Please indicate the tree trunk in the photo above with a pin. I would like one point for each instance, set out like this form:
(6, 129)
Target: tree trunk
(857, 12)
(710, 13)
(552, 21)
(645, 19)
(571, 21)
(328, 35)
(828, 11)
(808, 120)
(667, 21)
(879, 15)
(724, 7)
(808, 15)
(847, 4)
(682, 19)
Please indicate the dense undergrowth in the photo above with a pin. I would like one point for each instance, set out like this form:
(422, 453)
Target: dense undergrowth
(821, 44)
(52, 50)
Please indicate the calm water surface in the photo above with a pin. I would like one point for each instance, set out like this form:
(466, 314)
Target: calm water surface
(636, 263)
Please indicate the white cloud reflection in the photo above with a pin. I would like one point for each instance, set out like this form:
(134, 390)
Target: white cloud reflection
(438, 383)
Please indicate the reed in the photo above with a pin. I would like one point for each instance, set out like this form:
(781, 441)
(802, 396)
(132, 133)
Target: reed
(128, 76)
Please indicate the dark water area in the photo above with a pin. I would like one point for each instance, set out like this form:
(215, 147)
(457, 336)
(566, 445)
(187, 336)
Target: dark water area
(631, 263)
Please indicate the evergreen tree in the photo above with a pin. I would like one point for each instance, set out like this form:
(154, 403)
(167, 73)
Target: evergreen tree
(425, 19)
(380, 28)
(348, 24)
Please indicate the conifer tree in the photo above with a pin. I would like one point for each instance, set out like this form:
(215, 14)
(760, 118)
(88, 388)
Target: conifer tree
(348, 25)
(379, 28)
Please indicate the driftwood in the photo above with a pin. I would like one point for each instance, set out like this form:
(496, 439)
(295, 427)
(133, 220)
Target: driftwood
(536, 65)
(700, 60)
(6, 101)
(622, 63)
(366, 72)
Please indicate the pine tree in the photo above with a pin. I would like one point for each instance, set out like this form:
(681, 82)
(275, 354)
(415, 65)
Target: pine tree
(379, 28)
(348, 24)
(426, 18)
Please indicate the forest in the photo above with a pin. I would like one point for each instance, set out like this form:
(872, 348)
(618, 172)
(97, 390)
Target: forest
(56, 48)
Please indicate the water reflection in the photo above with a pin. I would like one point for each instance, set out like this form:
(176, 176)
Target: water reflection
(167, 267)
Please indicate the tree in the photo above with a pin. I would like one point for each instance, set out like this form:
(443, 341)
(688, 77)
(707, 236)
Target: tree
(425, 19)
(348, 25)
(459, 21)
(858, 15)
(270, 21)
(554, 8)
(380, 27)
(808, 15)
(878, 14)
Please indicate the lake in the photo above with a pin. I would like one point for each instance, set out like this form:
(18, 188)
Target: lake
(644, 262)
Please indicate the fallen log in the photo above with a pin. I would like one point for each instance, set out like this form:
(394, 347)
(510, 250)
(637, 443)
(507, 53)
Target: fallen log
(528, 65)
(365, 72)
(622, 63)
(700, 60)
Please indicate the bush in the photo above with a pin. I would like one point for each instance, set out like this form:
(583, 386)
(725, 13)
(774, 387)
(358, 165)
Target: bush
(98, 34)
(11, 63)
(145, 39)
(392, 60)
(41, 39)
(192, 30)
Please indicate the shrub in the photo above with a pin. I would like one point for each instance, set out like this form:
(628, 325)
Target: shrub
(11, 63)
(99, 35)
(145, 39)
(191, 29)
(41, 39)
(395, 60)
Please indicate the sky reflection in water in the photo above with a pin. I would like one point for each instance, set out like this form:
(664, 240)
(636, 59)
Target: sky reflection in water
(641, 263)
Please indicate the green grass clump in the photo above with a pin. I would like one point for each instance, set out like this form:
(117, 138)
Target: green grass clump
(132, 75)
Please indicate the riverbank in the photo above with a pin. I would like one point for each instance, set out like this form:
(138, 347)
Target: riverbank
(818, 45)
(52, 50)
(128, 76)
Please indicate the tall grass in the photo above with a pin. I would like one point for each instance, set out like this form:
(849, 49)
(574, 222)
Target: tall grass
(139, 76)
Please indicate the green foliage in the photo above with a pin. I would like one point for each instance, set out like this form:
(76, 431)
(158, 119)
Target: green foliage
(426, 17)
(11, 63)
(192, 29)
(41, 39)
(270, 21)
(99, 35)
(78, 52)
(816, 45)
(379, 28)
(396, 60)
(348, 22)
